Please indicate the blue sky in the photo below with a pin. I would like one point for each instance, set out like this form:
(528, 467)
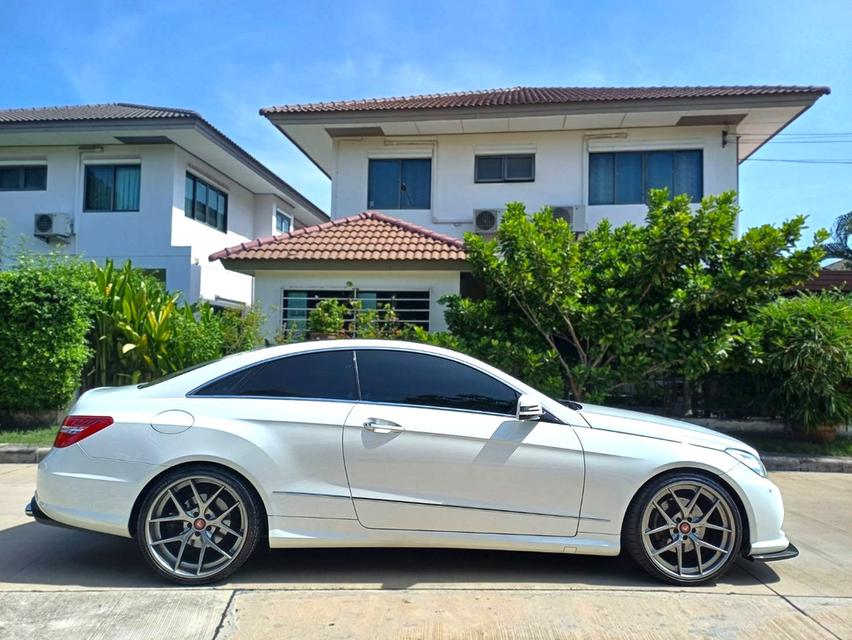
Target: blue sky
(228, 58)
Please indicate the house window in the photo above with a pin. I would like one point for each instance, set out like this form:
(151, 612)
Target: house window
(283, 222)
(25, 178)
(112, 187)
(411, 307)
(400, 184)
(205, 203)
(624, 177)
(505, 168)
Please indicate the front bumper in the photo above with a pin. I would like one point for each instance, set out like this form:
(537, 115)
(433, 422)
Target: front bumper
(790, 552)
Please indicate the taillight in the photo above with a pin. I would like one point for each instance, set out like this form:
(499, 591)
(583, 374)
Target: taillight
(75, 428)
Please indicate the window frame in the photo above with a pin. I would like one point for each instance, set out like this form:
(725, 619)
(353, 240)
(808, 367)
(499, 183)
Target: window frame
(644, 153)
(21, 170)
(209, 187)
(400, 161)
(284, 214)
(114, 166)
(194, 393)
(518, 393)
(504, 157)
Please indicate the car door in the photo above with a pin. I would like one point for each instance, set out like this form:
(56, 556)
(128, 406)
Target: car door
(290, 411)
(434, 445)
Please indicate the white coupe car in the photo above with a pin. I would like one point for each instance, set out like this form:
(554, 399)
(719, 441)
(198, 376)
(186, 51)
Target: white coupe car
(355, 443)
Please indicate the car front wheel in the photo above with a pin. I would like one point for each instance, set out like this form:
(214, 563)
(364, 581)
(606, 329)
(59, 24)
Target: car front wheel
(198, 525)
(684, 528)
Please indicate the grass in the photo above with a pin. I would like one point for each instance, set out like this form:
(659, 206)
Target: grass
(41, 437)
(766, 443)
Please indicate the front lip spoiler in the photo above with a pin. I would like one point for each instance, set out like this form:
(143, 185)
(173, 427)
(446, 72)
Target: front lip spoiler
(34, 511)
(790, 552)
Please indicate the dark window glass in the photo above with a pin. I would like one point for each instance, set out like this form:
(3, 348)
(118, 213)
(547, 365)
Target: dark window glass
(200, 201)
(24, 178)
(688, 174)
(10, 178)
(489, 169)
(189, 196)
(659, 171)
(326, 375)
(99, 188)
(415, 190)
(399, 184)
(505, 168)
(112, 188)
(626, 176)
(424, 380)
(35, 178)
(127, 188)
(282, 222)
(519, 167)
(601, 178)
(205, 203)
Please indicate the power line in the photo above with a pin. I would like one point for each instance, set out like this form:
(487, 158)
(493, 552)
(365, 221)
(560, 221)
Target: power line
(803, 160)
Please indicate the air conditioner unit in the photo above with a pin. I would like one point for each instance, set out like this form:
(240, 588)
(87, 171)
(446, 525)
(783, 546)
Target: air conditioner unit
(574, 215)
(50, 226)
(486, 221)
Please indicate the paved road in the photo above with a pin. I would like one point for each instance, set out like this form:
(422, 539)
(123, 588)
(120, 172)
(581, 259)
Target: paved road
(56, 583)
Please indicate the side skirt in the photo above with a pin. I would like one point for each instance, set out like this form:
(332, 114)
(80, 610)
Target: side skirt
(287, 532)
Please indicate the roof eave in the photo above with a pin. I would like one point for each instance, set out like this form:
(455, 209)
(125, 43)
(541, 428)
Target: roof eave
(579, 108)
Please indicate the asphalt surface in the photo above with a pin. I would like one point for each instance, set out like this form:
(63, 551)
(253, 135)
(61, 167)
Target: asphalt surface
(56, 583)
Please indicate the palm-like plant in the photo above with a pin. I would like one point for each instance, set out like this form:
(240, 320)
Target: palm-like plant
(840, 245)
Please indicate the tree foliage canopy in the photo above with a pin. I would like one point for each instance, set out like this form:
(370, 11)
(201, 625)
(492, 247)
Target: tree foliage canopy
(624, 304)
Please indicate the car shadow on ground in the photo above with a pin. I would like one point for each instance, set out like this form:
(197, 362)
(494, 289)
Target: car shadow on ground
(37, 555)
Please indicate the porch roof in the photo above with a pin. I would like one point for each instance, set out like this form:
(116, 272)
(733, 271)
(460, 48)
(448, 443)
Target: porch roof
(368, 237)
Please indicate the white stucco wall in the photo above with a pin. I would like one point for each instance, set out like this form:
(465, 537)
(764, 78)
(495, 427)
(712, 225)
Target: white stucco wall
(561, 177)
(159, 235)
(270, 285)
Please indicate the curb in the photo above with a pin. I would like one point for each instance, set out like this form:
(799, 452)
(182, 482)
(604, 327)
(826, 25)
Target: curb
(807, 463)
(21, 454)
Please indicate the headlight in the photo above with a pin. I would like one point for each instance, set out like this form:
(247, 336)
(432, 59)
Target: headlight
(750, 460)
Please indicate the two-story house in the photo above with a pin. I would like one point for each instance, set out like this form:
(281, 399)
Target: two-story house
(160, 186)
(429, 168)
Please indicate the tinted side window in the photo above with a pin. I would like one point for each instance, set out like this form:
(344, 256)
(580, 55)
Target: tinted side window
(418, 379)
(328, 375)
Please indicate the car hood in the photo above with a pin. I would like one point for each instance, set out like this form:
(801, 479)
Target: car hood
(651, 426)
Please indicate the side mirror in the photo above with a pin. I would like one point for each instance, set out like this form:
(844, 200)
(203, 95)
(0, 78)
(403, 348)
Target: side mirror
(529, 408)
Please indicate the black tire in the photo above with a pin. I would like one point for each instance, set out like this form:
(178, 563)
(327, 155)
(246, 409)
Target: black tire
(658, 554)
(241, 509)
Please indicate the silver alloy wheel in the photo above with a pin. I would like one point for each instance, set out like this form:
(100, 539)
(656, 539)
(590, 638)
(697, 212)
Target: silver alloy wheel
(196, 526)
(688, 530)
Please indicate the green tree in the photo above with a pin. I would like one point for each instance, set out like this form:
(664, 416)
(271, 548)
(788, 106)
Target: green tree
(622, 305)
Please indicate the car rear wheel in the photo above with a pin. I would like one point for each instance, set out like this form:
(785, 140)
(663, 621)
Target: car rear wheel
(198, 525)
(684, 528)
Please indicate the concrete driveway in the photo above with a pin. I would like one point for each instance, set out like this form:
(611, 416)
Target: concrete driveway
(56, 583)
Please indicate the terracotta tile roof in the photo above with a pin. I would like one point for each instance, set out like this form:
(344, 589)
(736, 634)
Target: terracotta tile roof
(537, 96)
(112, 111)
(368, 236)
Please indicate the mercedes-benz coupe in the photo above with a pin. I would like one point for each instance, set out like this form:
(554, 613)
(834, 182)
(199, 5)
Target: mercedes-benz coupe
(352, 443)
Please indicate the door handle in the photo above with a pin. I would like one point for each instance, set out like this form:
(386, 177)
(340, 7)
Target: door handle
(378, 425)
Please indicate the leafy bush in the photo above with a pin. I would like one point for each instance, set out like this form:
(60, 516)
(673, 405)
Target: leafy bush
(806, 346)
(328, 317)
(496, 334)
(46, 306)
(623, 305)
(142, 332)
